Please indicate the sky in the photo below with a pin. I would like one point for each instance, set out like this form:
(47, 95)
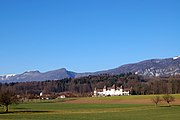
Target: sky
(86, 35)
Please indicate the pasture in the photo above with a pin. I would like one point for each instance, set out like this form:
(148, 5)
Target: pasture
(97, 108)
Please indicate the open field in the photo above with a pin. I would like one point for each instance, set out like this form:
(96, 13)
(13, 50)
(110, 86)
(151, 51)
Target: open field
(99, 108)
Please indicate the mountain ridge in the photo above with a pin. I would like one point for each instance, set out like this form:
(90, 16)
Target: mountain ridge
(151, 67)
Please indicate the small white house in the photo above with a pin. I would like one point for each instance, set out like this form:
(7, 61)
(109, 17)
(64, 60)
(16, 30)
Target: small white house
(40, 94)
(111, 91)
(62, 96)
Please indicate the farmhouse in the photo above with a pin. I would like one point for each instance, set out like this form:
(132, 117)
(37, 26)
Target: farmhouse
(45, 96)
(111, 91)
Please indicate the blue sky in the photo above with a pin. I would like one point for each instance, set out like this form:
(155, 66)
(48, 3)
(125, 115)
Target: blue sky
(86, 35)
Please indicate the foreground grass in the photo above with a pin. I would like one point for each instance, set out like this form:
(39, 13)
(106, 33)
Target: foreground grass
(53, 110)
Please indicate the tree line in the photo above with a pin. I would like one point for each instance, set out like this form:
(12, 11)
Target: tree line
(84, 86)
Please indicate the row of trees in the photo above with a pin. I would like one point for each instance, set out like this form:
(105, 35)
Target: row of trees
(85, 86)
(167, 98)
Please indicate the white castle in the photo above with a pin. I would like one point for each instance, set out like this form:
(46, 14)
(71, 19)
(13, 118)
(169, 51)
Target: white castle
(111, 91)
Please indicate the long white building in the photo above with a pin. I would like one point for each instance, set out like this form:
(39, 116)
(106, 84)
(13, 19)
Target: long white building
(111, 91)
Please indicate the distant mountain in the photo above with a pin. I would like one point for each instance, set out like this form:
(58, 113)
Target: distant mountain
(6, 77)
(153, 67)
(38, 76)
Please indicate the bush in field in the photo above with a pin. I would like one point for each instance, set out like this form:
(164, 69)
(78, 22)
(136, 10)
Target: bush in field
(156, 99)
(7, 98)
(168, 98)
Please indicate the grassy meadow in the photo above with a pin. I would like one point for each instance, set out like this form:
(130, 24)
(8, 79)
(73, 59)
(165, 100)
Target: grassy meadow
(94, 108)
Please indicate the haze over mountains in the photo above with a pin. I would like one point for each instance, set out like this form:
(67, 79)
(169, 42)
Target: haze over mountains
(152, 67)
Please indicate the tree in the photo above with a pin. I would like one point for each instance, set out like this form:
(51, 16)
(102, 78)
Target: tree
(156, 99)
(168, 98)
(7, 98)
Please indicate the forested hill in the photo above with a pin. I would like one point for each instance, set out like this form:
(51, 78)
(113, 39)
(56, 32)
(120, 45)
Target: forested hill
(84, 86)
(152, 67)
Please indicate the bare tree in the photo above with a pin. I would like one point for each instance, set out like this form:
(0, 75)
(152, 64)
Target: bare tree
(156, 99)
(168, 98)
(7, 98)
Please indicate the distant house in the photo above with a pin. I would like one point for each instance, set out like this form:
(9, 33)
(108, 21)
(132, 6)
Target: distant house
(40, 94)
(111, 91)
(62, 96)
(44, 96)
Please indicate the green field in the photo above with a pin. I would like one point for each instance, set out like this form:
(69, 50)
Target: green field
(76, 109)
